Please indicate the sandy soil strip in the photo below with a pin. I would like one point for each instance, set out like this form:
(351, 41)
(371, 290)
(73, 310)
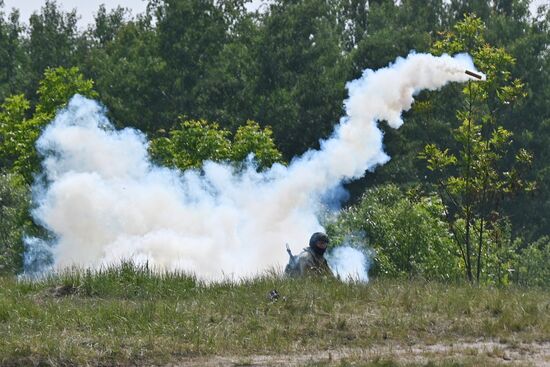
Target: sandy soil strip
(517, 354)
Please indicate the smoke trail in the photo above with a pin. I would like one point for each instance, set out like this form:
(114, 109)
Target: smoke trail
(105, 201)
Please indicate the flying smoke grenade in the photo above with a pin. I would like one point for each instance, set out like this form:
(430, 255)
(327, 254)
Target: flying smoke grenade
(475, 75)
(104, 201)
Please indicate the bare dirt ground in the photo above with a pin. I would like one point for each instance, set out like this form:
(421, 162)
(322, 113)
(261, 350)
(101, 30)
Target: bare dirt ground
(470, 353)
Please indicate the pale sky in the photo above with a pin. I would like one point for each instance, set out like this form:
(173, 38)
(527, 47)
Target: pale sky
(87, 8)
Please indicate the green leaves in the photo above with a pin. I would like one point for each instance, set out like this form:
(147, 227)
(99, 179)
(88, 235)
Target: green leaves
(407, 232)
(250, 138)
(14, 206)
(18, 132)
(436, 158)
(195, 141)
(466, 37)
(534, 264)
(15, 131)
(58, 86)
(474, 175)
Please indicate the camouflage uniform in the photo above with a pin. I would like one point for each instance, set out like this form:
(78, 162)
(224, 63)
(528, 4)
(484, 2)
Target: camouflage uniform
(312, 264)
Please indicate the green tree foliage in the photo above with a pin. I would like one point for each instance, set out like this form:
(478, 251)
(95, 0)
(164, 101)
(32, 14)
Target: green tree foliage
(534, 264)
(500, 253)
(18, 133)
(52, 41)
(390, 29)
(301, 73)
(58, 86)
(473, 175)
(130, 75)
(107, 24)
(191, 58)
(250, 138)
(14, 60)
(14, 206)
(190, 36)
(528, 39)
(407, 232)
(191, 144)
(227, 91)
(195, 141)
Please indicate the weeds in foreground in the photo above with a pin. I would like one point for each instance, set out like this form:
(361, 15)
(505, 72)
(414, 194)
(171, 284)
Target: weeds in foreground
(129, 314)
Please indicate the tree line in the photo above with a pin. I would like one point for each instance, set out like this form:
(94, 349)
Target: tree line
(469, 167)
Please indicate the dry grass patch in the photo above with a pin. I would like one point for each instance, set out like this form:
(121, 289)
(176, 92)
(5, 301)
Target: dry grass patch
(130, 316)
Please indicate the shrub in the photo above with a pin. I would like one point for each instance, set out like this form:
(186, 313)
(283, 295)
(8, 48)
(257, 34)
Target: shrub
(406, 231)
(14, 205)
(534, 264)
(194, 141)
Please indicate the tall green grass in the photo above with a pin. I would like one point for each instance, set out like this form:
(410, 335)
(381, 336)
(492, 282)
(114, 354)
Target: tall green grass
(131, 315)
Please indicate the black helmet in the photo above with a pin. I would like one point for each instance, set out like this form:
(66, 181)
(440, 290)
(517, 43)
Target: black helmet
(318, 237)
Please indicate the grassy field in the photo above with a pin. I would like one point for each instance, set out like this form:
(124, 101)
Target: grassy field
(128, 316)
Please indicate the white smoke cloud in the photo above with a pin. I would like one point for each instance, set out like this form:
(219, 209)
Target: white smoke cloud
(105, 201)
(349, 263)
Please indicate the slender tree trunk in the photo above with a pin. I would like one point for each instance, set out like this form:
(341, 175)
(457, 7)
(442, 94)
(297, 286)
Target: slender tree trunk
(479, 248)
(468, 248)
(456, 234)
(468, 189)
(484, 213)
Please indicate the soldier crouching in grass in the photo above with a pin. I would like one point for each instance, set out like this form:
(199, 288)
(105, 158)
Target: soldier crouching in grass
(311, 262)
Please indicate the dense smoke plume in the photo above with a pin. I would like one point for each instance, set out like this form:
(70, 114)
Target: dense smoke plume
(349, 263)
(105, 201)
